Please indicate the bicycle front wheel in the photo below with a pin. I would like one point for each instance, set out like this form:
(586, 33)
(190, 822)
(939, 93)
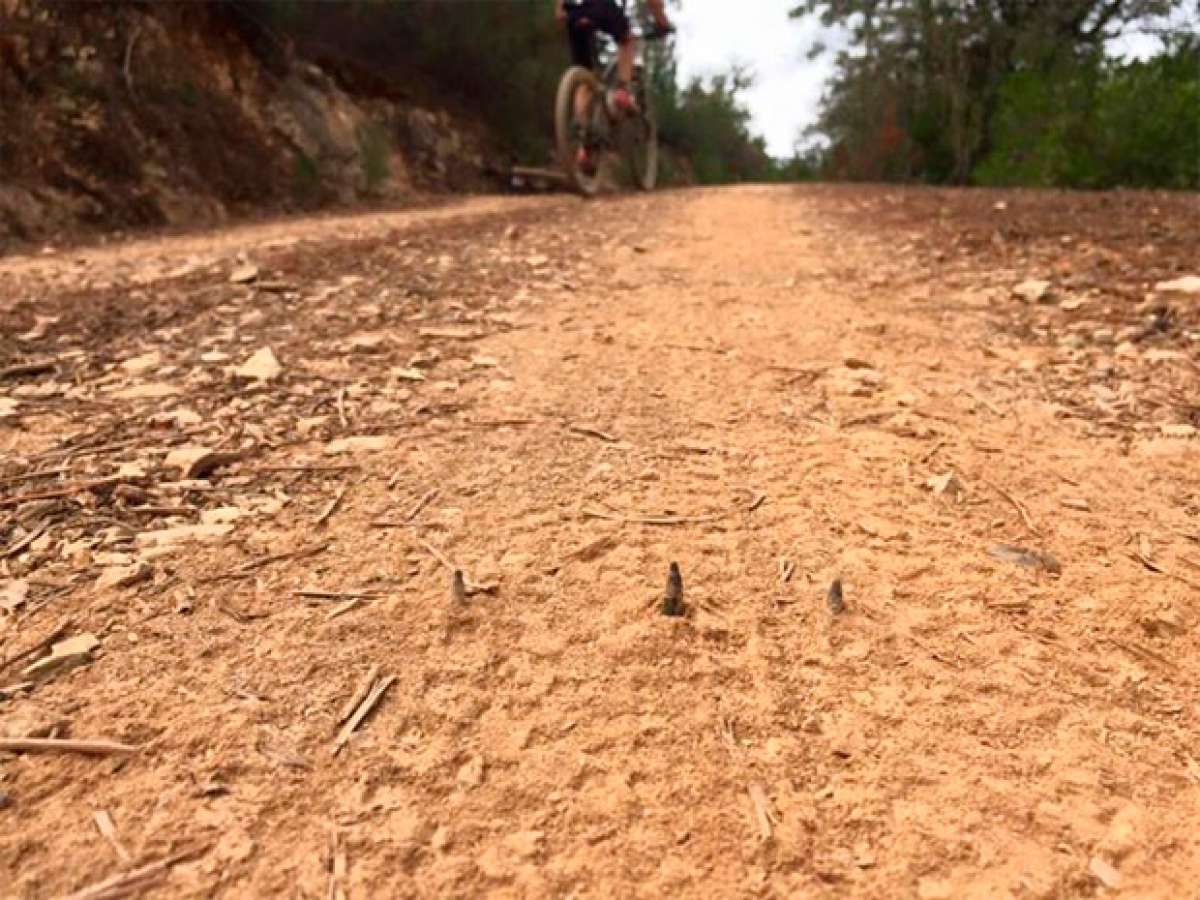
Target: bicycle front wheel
(642, 151)
(578, 91)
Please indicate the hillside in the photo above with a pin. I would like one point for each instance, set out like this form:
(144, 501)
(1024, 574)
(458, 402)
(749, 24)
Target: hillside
(122, 115)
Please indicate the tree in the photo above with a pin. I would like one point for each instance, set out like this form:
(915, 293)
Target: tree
(708, 123)
(916, 93)
(1098, 122)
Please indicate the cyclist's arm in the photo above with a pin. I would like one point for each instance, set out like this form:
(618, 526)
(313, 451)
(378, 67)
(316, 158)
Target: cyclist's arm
(560, 11)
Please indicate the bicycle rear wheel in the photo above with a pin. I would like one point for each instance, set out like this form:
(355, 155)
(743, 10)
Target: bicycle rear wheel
(573, 135)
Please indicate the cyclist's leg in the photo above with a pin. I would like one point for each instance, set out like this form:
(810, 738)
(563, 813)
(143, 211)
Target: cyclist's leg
(611, 19)
(626, 53)
(581, 33)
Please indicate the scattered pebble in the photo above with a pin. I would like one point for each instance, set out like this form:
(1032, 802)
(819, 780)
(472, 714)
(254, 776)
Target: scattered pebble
(262, 366)
(1104, 872)
(1189, 284)
(243, 274)
(1032, 291)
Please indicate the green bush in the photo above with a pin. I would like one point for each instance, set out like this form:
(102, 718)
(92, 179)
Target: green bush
(708, 123)
(1100, 123)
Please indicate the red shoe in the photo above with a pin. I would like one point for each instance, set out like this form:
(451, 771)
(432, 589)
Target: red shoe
(621, 100)
(584, 162)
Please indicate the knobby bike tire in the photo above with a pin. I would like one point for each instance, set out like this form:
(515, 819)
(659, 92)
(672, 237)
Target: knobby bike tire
(564, 113)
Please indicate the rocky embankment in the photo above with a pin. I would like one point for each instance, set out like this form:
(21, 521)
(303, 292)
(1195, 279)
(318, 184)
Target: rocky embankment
(123, 115)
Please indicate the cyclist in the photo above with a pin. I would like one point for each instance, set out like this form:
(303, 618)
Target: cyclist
(583, 19)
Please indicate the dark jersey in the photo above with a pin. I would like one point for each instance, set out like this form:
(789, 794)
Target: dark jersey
(585, 18)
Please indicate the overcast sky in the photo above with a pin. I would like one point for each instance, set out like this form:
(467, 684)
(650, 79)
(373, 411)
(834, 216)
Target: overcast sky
(784, 100)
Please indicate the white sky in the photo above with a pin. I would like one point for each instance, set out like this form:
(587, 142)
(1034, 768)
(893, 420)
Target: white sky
(784, 100)
(715, 33)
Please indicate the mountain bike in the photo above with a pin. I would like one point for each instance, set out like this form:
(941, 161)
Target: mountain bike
(604, 132)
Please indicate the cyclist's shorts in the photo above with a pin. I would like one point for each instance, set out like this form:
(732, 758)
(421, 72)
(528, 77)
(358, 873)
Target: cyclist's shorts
(584, 19)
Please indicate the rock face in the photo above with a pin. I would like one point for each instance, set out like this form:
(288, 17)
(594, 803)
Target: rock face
(165, 115)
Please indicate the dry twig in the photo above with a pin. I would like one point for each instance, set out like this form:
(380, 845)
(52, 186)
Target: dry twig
(359, 695)
(127, 68)
(699, 348)
(24, 542)
(439, 555)
(642, 519)
(36, 367)
(500, 423)
(1017, 505)
(248, 567)
(126, 883)
(421, 504)
(341, 407)
(364, 710)
(763, 813)
(74, 453)
(337, 867)
(314, 468)
(342, 608)
(1143, 652)
(32, 476)
(588, 431)
(1152, 566)
(108, 830)
(66, 491)
(64, 745)
(337, 595)
(333, 505)
(588, 551)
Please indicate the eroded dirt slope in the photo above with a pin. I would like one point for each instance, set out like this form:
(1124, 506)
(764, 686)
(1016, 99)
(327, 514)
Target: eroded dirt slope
(774, 388)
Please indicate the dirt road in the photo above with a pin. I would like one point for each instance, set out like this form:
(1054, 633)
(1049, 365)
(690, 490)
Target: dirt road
(774, 388)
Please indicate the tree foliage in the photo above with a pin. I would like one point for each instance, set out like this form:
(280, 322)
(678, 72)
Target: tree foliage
(930, 89)
(1101, 123)
(708, 123)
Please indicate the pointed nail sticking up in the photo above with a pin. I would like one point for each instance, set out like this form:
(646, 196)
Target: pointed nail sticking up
(672, 604)
(837, 604)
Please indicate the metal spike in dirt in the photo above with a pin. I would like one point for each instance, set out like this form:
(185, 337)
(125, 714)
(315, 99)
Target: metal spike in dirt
(672, 604)
(837, 603)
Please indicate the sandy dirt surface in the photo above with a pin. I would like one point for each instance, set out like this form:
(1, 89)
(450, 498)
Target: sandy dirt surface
(773, 387)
